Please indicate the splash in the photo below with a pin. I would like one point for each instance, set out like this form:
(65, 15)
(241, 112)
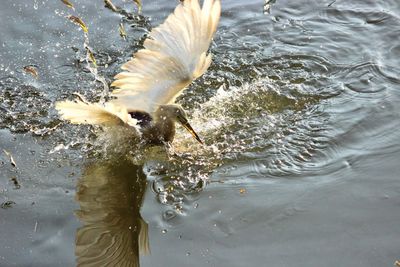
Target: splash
(275, 131)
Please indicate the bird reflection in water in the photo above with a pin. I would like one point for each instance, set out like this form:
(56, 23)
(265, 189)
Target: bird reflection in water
(110, 194)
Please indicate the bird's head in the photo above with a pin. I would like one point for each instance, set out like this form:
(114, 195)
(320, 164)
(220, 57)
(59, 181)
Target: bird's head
(177, 114)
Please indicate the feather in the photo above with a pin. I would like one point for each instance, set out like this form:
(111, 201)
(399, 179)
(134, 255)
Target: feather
(79, 112)
(173, 56)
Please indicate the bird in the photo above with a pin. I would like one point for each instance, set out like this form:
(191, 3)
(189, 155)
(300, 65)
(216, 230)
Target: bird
(174, 54)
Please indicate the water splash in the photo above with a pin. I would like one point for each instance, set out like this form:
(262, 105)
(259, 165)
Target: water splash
(91, 65)
(278, 131)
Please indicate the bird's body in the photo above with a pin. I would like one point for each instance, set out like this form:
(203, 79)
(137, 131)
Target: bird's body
(161, 129)
(175, 54)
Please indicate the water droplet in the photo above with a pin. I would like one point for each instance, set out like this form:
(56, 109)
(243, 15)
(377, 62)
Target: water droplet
(169, 214)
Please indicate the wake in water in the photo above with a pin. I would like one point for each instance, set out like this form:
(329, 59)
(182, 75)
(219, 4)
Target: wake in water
(279, 132)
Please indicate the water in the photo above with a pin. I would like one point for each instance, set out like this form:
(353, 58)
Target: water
(299, 113)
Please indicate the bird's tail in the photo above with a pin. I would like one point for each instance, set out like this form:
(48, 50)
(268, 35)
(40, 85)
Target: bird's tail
(79, 112)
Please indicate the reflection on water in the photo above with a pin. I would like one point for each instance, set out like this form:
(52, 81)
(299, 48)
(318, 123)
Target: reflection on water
(110, 194)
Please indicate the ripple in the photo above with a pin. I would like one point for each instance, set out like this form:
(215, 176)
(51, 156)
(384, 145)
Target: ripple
(364, 78)
(255, 121)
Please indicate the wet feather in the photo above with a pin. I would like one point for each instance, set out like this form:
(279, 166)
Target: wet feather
(110, 5)
(122, 31)
(32, 71)
(79, 22)
(68, 4)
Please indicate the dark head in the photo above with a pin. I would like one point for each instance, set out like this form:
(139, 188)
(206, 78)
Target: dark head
(177, 114)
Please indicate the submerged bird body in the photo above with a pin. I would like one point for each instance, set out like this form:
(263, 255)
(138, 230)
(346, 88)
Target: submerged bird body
(174, 54)
(161, 129)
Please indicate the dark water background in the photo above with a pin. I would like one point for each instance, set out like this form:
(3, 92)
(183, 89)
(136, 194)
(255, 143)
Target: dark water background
(299, 112)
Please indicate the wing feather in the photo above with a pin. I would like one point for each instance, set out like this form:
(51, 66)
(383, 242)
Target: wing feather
(79, 112)
(173, 56)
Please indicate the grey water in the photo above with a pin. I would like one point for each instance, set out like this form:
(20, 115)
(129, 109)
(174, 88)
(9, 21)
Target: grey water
(299, 113)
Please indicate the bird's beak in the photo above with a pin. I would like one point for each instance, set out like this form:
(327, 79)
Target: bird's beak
(189, 128)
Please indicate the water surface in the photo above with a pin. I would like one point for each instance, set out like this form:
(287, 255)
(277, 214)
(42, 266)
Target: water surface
(299, 112)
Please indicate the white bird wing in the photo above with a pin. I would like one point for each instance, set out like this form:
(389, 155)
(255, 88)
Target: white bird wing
(173, 56)
(79, 112)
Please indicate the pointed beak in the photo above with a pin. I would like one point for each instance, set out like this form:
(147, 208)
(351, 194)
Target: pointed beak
(189, 128)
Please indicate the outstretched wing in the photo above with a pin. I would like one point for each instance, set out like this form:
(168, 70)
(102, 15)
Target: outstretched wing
(79, 112)
(174, 55)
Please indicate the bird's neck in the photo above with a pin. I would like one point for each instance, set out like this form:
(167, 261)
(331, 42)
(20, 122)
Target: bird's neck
(165, 128)
(161, 130)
